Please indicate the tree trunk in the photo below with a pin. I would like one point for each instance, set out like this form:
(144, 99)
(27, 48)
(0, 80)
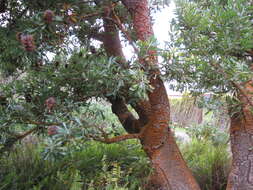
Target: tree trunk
(170, 170)
(241, 135)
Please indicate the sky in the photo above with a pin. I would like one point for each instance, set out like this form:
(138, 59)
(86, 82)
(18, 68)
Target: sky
(162, 23)
(161, 29)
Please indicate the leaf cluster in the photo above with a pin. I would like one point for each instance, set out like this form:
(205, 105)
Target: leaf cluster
(211, 44)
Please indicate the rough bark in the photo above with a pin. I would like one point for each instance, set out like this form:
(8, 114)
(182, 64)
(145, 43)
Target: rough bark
(111, 39)
(171, 171)
(113, 47)
(126, 118)
(241, 134)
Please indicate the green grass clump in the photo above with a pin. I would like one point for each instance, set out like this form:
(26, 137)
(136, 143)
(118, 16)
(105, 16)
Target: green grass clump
(209, 163)
(98, 160)
(26, 169)
(96, 167)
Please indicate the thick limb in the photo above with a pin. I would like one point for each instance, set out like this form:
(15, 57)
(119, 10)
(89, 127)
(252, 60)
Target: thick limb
(171, 171)
(241, 135)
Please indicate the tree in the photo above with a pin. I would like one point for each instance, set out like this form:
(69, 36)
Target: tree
(214, 51)
(43, 92)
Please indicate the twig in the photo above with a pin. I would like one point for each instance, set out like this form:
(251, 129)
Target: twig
(117, 138)
(40, 123)
(236, 85)
(21, 136)
(90, 15)
(119, 24)
(7, 146)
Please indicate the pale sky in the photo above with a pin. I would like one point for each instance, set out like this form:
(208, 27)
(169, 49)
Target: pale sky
(162, 23)
(161, 29)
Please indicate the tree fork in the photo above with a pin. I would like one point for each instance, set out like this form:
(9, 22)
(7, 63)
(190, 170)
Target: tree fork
(128, 121)
(113, 47)
(117, 138)
(171, 171)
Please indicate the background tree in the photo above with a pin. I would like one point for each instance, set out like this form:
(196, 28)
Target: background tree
(213, 50)
(88, 63)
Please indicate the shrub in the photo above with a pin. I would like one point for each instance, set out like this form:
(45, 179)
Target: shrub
(208, 162)
(205, 131)
(25, 169)
(97, 166)
(98, 161)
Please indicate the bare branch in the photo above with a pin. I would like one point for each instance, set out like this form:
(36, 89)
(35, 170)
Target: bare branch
(117, 138)
(126, 118)
(119, 24)
(21, 136)
(40, 123)
(90, 15)
(10, 142)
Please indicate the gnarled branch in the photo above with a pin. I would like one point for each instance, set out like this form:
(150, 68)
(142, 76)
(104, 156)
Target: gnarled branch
(117, 138)
(126, 118)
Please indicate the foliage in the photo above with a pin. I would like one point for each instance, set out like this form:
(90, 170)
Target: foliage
(207, 132)
(207, 155)
(211, 43)
(25, 169)
(63, 62)
(126, 157)
(209, 163)
(71, 136)
(52, 50)
(97, 166)
(115, 166)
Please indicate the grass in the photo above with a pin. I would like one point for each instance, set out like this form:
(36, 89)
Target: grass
(209, 163)
(97, 166)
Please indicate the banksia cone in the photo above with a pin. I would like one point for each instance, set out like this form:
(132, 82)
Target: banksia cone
(50, 103)
(28, 42)
(48, 16)
(52, 130)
